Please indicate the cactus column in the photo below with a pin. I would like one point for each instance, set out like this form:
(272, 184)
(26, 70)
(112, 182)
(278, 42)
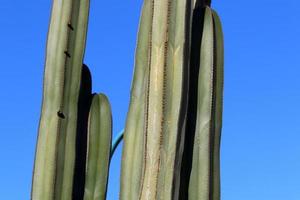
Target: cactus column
(55, 154)
(165, 108)
(205, 174)
(153, 146)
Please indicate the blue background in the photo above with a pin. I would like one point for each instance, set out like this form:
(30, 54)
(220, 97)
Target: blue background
(261, 132)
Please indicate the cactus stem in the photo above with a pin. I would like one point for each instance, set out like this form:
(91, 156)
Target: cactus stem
(116, 142)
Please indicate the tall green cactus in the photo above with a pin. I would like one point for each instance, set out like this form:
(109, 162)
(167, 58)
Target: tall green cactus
(159, 89)
(158, 100)
(55, 155)
(205, 177)
(172, 134)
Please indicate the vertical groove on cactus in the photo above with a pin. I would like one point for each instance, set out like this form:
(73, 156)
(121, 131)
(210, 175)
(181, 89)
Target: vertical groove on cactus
(154, 117)
(145, 125)
(197, 28)
(175, 98)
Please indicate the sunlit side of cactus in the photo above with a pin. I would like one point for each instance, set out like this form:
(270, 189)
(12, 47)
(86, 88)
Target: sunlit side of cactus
(98, 149)
(55, 154)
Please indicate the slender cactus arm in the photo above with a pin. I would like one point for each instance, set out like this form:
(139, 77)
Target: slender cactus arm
(117, 140)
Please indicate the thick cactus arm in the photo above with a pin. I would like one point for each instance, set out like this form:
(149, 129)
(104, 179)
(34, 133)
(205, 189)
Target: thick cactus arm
(67, 144)
(175, 98)
(133, 146)
(218, 101)
(98, 151)
(116, 142)
(45, 158)
(155, 98)
(165, 76)
(205, 174)
(53, 171)
(200, 179)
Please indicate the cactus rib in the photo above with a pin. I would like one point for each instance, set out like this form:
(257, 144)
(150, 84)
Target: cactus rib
(218, 101)
(155, 101)
(133, 147)
(175, 98)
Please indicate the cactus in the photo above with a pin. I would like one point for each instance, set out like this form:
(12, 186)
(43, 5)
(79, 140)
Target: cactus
(204, 182)
(172, 135)
(159, 89)
(98, 151)
(55, 155)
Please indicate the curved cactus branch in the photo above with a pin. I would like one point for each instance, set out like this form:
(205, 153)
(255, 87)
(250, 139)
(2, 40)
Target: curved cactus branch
(117, 140)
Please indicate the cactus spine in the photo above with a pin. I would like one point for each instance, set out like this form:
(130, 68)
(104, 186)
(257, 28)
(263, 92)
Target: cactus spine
(173, 128)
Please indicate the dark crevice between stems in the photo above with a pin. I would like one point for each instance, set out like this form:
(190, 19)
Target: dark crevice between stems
(84, 103)
(183, 105)
(203, 3)
(186, 166)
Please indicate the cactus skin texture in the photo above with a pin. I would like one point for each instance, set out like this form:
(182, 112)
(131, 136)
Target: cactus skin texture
(98, 151)
(132, 155)
(154, 133)
(55, 154)
(205, 175)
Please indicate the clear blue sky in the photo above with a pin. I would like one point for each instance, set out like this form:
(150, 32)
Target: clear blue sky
(261, 132)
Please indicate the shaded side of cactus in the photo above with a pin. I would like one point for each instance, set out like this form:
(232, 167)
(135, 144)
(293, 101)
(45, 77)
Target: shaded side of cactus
(98, 149)
(55, 154)
(187, 157)
(84, 103)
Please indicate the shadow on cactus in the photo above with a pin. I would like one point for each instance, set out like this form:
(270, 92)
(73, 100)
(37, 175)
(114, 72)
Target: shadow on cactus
(173, 129)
